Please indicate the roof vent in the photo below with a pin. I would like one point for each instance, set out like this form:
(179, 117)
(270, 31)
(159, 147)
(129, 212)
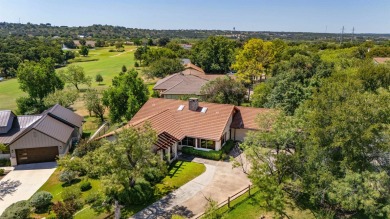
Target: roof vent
(181, 107)
(204, 109)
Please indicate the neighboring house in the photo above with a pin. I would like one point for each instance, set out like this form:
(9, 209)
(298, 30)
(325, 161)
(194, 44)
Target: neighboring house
(381, 60)
(184, 83)
(204, 126)
(90, 43)
(39, 138)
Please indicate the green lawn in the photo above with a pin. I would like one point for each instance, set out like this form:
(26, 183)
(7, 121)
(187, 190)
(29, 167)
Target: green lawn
(249, 208)
(179, 173)
(106, 63)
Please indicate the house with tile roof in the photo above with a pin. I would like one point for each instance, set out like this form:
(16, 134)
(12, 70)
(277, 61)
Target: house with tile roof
(185, 83)
(381, 60)
(204, 126)
(39, 138)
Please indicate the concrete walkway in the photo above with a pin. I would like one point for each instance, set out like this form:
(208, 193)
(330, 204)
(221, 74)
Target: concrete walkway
(218, 182)
(169, 204)
(22, 182)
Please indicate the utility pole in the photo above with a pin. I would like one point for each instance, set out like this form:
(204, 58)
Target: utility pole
(342, 35)
(353, 34)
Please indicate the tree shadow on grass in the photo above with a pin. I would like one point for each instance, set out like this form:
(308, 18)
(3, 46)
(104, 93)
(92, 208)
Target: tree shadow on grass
(75, 181)
(175, 167)
(8, 187)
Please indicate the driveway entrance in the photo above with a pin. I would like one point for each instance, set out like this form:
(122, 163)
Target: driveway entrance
(22, 182)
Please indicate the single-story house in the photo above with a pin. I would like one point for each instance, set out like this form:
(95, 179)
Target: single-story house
(184, 83)
(39, 138)
(204, 126)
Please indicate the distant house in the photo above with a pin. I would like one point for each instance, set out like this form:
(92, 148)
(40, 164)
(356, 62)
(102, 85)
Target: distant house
(381, 60)
(186, 46)
(39, 138)
(204, 126)
(184, 83)
(89, 43)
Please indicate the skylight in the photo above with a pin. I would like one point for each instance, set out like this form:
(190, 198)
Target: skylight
(181, 107)
(204, 109)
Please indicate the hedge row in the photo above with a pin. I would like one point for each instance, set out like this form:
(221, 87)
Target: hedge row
(212, 155)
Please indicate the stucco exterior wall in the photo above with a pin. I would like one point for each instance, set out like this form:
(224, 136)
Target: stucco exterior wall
(239, 134)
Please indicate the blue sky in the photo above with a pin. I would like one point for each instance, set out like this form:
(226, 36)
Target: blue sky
(367, 16)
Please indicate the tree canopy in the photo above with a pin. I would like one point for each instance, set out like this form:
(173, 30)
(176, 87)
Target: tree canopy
(126, 96)
(224, 90)
(75, 75)
(213, 55)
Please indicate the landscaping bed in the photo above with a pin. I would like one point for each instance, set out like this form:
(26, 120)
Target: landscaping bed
(179, 173)
(212, 155)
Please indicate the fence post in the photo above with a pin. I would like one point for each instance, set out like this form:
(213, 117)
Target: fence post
(228, 201)
(249, 189)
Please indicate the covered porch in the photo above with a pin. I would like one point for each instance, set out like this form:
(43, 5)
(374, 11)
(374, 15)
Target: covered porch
(166, 147)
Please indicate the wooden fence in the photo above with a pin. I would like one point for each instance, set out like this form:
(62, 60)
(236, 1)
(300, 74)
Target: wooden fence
(229, 200)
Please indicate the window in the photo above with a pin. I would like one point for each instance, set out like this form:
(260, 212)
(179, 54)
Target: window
(209, 144)
(188, 141)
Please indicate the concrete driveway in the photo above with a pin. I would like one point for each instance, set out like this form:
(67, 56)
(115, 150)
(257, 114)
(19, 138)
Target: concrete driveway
(218, 182)
(22, 182)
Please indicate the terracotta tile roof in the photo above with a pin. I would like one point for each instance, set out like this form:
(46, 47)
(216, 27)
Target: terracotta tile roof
(163, 114)
(245, 117)
(381, 60)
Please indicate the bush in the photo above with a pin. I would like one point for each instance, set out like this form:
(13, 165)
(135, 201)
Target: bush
(112, 50)
(84, 147)
(212, 155)
(65, 210)
(1, 172)
(85, 186)
(18, 210)
(136, 64)
(67, 176)
(5, 162)
(154, 175)
(92, 197)
(228, 147)
(70, 193)
(99, 78)
(41, 200)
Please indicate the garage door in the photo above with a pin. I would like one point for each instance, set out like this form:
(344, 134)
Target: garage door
(36, 155)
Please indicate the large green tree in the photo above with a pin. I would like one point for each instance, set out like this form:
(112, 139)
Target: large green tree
(126, 96)
(331, 155)
(75, 75)
(213, 55)
(93, 102)
(224, 90)
(254, 60)
(38, 79)
(163, 67)
(63, 97)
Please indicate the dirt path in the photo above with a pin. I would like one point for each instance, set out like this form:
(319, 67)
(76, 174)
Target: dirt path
(122, 53)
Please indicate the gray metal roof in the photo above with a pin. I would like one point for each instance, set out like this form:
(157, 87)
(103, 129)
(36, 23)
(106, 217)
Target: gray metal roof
(56, 122)
(4, 117)
(54, 128)
(66, 115)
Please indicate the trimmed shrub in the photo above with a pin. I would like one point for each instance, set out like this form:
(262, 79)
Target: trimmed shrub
(5, 162)
(212, 155)
(18, 210)
(1, 172)
(41, 200)
(136, 64)
(228, 147)
(67, 176)
(85, 186)
(71, 193)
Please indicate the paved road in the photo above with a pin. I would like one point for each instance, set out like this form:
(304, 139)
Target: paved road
(23, 182)
(218, 182)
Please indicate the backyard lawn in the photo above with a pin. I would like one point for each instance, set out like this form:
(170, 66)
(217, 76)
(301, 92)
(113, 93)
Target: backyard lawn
(179, 173)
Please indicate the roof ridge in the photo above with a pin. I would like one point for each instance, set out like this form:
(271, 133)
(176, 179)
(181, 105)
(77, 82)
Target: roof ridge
(173, 86)
(163, 80)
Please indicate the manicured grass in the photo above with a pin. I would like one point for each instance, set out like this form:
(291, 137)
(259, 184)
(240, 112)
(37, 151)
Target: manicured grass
(108, 64)
(179, 174)
(250, 208)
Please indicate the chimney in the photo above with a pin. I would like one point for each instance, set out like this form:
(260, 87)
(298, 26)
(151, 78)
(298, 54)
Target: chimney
(193, 104)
